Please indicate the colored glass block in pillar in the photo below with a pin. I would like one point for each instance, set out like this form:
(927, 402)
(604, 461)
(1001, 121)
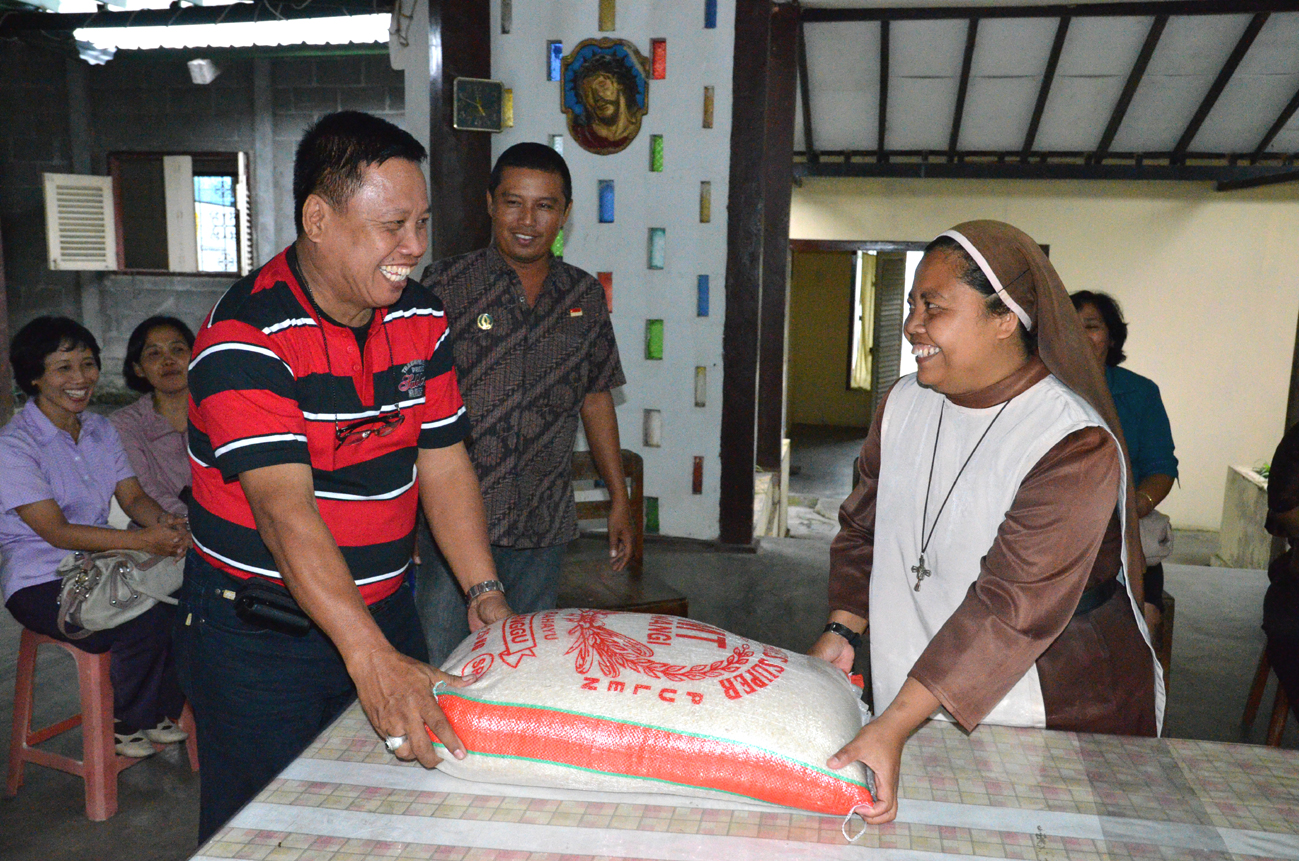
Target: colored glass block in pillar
(701, 386)
(557, 248)
(656, 153)
(606, 281)
(608, 15)
(697, 476)
(652, 429)
(654, 339)
(709, 101)
(605, 194)
(658, 247)
(705, 202)
(507, 109)
(554, 59)
(710, 14)
(507, 15)
(701, 302)
(652, 514)
(557, 143)
(658, 59)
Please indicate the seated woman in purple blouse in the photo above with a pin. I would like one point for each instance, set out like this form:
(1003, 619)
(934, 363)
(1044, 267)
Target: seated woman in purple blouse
(153, 429)
(62, 466)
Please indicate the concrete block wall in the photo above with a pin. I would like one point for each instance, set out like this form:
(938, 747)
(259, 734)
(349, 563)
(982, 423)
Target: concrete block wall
(60, 115)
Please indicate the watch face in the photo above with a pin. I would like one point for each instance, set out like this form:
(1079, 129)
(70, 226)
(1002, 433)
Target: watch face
(478, 104)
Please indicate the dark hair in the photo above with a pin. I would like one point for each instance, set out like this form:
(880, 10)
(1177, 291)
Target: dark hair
(334, 153)
(1112, 314)
(135, 348)
(973, 276)
(42, 337)
(532, 156)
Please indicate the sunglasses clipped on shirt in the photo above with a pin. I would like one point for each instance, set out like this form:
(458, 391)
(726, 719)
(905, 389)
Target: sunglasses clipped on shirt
(355, 432)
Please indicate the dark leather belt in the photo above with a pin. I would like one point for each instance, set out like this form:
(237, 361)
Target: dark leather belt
(1096, 596)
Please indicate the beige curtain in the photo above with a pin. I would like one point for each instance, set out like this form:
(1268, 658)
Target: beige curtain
(864, 314)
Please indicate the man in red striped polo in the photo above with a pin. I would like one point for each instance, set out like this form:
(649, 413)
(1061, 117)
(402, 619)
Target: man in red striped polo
(323, 406)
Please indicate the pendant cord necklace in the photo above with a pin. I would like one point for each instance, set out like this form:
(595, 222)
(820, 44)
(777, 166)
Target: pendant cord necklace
(919, 568)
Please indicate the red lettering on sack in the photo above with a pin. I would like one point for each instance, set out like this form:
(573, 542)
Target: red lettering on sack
(477, 666)
(640, 688)
(752, 680)
(481, 639)
(745, 684)
(589, 684)
(692, 630)
(663, 695)
(660, 630)
(548, 631)
(617, 687)
(728, 687)
(775, 654)
(520, 640)
(695, 697)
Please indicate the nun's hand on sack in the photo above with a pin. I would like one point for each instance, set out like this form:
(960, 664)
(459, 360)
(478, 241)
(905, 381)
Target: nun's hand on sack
(396, 693)
(835, 649)
(879, 745)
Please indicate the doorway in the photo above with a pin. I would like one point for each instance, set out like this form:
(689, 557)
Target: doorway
(844, 347)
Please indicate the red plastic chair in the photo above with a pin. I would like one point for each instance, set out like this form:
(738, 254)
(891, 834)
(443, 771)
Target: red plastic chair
(99, 764)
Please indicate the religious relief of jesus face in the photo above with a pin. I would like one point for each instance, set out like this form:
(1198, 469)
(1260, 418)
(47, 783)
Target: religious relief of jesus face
(605, 94)
(603, 97)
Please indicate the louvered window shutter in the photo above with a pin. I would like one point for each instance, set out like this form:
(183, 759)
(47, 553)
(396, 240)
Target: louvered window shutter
(80, 230)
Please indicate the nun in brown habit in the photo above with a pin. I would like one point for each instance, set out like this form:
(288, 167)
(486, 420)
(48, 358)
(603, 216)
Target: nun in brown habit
(993, 529)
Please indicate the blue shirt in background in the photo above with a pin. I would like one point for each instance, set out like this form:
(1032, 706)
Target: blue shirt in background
(1144, 422)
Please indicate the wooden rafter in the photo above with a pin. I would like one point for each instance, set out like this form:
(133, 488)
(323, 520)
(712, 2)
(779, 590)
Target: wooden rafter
(1044, 91)
(1286, 113)
(1142, 9)
(805, 93)
(1130, 88)
(884, 88)
(971, 34)
(1220, 83)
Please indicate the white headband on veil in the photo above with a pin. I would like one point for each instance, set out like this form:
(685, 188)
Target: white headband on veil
(992, 277)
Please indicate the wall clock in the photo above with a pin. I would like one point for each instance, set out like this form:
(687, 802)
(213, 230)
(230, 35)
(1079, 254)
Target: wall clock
(478, 105)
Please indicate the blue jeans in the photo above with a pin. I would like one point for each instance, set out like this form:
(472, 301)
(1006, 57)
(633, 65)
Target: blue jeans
(260, 697)
(530, 577)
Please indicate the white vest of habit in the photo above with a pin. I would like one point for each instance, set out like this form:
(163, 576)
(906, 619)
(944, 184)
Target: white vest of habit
(902, 620)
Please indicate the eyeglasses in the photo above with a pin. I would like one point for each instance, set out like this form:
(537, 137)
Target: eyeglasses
(357, 431)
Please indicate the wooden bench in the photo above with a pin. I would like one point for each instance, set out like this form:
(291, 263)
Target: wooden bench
(588, 580)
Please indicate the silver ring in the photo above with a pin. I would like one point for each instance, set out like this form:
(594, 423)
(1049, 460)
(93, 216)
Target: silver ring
(393, 742)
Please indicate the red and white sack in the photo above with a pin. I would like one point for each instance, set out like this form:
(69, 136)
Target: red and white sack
(632, 702)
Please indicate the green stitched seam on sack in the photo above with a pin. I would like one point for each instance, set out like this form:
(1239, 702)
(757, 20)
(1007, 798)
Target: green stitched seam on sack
(824, 771)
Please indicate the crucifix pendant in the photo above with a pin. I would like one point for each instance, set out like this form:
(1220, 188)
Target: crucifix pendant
(920, 571)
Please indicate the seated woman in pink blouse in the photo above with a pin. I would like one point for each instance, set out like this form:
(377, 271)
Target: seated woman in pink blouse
(153, 429)
(60, 467)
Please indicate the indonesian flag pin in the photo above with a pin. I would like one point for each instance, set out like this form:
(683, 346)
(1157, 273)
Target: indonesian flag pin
(575, 312)
(484, 321)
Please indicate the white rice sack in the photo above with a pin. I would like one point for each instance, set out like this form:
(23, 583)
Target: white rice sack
(631, 702)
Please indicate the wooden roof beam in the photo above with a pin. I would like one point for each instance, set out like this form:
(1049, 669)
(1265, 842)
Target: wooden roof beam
(1138, 9)
(884, 91)
(971, 34)
(1286, 113)
(1220, 83)
(805, 95)
(1130, 88)
(1048, 76)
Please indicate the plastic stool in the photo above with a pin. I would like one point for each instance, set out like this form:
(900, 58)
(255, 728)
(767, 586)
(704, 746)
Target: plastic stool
(100, 763)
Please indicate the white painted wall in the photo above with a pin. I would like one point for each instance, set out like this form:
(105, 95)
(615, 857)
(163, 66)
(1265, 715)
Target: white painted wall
(1208, 281)
(696, 58)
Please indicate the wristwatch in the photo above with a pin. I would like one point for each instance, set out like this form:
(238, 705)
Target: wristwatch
(853, 638)
(483, 588)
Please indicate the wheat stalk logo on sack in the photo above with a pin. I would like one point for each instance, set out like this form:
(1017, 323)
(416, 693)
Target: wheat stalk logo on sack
(612, 650)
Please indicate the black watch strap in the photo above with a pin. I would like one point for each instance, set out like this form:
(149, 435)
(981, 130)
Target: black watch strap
(853, 638)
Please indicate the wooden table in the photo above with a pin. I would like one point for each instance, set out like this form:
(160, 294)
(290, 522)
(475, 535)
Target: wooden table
(999, 793)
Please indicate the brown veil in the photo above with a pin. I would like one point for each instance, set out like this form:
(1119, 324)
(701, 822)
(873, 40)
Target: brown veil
(1025, 273)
